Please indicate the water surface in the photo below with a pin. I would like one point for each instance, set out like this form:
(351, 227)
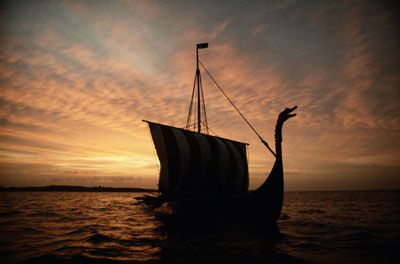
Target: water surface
(315, 227)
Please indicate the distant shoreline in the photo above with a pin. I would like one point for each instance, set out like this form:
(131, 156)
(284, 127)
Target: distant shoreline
(67, 188)
(71, 188)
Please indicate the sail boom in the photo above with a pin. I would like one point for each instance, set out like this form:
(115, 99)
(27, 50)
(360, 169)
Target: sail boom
(235, 141)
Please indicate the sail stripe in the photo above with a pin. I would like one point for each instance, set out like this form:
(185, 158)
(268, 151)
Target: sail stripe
(212, 175)
(205, 153)
(229, 184)
(173, 158)
(237, 176)
(195, 163)
(158, 139)
(184, 153)
(223, 164)
(242, 151)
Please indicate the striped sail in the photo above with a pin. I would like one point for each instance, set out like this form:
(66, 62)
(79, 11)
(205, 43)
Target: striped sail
(199, 165)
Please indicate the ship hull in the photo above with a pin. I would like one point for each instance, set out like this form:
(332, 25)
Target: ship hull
(259, 207)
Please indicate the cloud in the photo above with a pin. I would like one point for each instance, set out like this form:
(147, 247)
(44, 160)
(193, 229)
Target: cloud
(76, 80)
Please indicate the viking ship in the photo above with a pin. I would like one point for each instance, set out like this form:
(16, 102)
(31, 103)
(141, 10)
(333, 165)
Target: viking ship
(199, 168)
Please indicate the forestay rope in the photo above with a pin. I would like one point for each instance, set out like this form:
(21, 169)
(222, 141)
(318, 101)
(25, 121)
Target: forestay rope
(240, 113)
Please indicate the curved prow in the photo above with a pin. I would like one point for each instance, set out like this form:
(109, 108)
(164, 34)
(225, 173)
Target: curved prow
(268, 198)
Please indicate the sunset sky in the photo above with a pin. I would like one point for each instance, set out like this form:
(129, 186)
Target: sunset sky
(77, 78)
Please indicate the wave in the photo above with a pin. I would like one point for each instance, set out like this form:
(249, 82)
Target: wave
(78, 259)
(47, 214)
(10, 213)
(312, 211)
(81, 230)
(284, 217)
(315, 225)
(100, 238)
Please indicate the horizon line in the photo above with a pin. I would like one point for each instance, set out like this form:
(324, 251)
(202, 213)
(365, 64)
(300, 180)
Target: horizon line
(141, 189)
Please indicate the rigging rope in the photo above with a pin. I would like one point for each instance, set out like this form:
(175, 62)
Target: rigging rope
(230, 101)
(210, 130)
(191, 104)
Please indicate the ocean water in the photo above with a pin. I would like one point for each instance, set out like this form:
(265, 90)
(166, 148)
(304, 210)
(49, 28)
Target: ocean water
(315, 227)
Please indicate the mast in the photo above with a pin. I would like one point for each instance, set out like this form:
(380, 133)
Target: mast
(198, 90)
(200, 107)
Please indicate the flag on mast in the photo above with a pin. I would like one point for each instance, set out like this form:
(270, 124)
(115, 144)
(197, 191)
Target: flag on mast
(202, 45)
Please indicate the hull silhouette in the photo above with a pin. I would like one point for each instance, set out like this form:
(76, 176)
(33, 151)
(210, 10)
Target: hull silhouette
(213, 194)
(265, 203)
